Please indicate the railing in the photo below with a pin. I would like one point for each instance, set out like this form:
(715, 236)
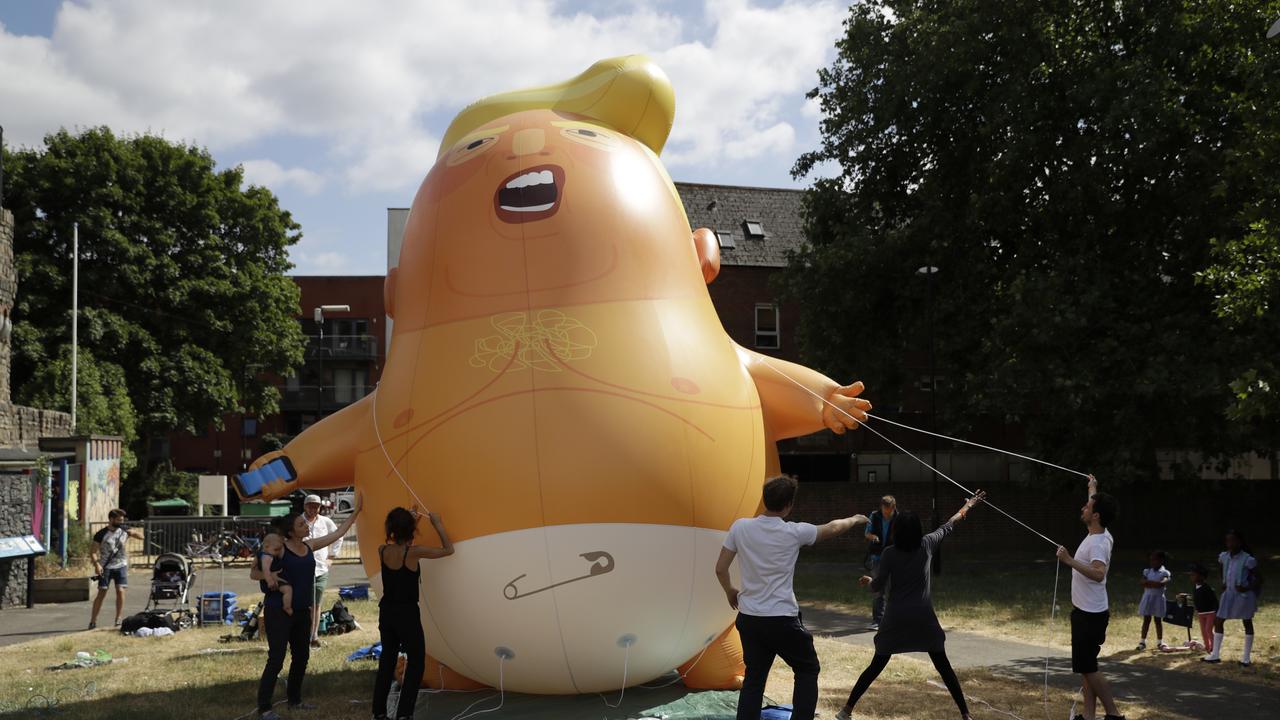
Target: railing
(343, 346)
(207, 539)
(308, 397)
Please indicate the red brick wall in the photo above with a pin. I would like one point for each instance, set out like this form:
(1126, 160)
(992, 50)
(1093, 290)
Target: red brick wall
(735, 292)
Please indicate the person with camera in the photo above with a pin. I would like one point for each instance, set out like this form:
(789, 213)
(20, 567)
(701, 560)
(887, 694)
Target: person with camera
(111, 562)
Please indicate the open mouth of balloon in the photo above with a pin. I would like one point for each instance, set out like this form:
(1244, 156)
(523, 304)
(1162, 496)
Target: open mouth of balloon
(532, 194)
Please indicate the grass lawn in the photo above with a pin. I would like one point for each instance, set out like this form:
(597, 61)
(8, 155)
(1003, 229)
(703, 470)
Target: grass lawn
(910, 688)
(1009, 598)
(192, 675)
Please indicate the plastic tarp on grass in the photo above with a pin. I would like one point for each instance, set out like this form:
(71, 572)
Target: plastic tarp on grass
(674, 702)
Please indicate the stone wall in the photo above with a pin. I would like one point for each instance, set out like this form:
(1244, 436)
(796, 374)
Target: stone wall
(15, 519)
(19, 426)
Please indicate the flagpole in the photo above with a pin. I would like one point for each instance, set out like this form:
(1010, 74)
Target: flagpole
(75, 315)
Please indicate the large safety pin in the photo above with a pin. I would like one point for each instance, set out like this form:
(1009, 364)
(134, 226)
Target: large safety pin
(601, 563)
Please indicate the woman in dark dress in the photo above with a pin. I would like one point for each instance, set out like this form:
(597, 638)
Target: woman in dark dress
(399, 619)
(292, 632)
(909, 623)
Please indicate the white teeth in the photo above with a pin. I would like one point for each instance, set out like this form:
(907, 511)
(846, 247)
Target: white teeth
(532, 178)
(531, 208)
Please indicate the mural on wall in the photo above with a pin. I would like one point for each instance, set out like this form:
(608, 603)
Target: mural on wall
(101, 484)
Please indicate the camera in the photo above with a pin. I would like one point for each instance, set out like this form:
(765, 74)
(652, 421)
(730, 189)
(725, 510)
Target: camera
(96, 578)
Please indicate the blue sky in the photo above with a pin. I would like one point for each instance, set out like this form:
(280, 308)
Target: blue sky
(338, 107)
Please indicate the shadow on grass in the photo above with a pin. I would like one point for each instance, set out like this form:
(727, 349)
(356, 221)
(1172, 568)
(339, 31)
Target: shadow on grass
(1189, 694)
(346, 694)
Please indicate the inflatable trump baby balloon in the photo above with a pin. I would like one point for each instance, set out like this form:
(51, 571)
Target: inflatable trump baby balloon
(560, 390)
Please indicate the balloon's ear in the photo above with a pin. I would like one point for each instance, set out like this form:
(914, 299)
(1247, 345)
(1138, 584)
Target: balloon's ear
(389, 293)
(708, 249)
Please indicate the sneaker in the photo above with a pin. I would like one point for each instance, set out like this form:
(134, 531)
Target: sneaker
(1142, 645)
(1210, 660)
(874, 626)
(269, 715)
(117, 623)
(1162, 647)
(93, 626)
(301, 706)
(843, 715)
(1245, 664)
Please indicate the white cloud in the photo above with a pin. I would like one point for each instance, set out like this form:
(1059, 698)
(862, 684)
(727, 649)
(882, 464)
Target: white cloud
(269, 174)
(322, 263)
(362, 79)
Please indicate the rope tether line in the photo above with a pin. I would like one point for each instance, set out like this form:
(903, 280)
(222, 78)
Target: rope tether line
(984, 447)
(502, 696)
(378, 431)
(912, 455)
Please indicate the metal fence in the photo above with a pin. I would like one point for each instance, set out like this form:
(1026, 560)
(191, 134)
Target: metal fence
(207, 539)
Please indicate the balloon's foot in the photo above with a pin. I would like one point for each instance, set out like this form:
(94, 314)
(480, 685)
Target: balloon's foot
(719, 667)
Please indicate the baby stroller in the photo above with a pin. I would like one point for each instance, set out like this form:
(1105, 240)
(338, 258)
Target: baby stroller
(171, 579)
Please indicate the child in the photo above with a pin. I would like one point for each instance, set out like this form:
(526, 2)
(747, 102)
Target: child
(1206, 603)
(1239, 599)
(1154, 580)
(271, 554)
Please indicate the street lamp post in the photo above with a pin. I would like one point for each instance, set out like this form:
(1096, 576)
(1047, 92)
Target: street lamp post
(929, 271)
(319, 318)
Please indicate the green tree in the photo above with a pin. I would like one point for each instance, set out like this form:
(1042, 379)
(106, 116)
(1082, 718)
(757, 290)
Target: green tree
(182, 281)
(1069, 165)
(103, 405)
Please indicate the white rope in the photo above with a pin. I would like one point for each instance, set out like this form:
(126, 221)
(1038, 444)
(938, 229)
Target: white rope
(984, 447)
(378, 431)
(502, 696)
(625, 659)
(1048, 638)
(912, 455)
(681, 676)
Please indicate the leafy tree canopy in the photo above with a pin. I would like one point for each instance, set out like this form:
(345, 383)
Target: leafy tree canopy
(183, 294)
(1087, 176)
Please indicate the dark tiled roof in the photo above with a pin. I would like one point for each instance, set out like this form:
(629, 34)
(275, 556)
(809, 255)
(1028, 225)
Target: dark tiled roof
(775, 208)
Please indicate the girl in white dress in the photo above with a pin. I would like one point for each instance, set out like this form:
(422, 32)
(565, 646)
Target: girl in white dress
(1154, 580)
(1239, 600)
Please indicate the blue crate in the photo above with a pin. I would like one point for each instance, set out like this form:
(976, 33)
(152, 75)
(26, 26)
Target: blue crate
(354, 592)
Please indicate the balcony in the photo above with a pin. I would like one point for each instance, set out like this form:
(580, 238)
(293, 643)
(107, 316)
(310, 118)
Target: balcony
(327, 398)
(342, 347)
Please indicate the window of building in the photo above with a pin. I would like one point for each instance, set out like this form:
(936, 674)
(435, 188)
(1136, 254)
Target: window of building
(726, 239)
(767, 326)
(249, 427)
(350, 384)
(753, 229)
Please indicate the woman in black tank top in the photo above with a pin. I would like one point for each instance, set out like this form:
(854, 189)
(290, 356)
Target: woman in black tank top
(399, 620)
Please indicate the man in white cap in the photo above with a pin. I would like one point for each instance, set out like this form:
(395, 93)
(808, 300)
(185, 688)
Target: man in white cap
(319, 526)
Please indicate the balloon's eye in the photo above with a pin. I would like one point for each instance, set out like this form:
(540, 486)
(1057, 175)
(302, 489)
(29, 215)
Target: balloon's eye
(598, 139)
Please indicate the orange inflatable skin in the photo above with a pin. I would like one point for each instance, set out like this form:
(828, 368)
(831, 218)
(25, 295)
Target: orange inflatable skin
(556, 362)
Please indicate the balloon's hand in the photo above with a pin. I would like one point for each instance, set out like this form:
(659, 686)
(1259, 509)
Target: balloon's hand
(844, 409)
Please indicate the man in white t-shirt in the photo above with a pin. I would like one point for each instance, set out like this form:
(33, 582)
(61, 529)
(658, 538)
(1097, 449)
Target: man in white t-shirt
(1090, 611)
(768, 615)
(318, 526)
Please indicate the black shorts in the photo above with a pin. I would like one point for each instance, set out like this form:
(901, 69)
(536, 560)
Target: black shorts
(1088, 632)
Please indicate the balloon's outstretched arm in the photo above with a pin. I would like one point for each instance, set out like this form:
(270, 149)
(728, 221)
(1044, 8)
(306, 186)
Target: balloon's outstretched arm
(322, 456)
(791, 398)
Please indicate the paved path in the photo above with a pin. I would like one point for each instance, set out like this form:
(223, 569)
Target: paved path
(1194, 695)
(46, 620)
